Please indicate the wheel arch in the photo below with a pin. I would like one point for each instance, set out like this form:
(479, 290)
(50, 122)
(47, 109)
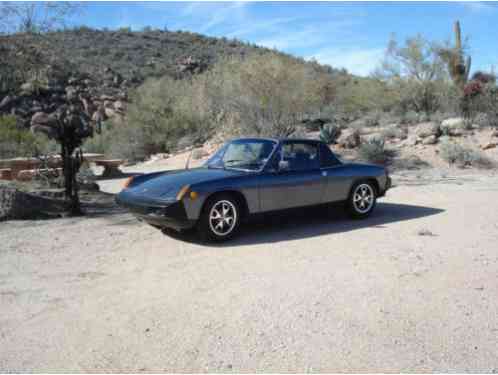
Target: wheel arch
(238, 195)
(370, 179)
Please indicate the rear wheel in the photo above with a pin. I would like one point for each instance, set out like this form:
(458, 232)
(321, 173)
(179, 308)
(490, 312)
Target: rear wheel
(362, 199)
(220, 218)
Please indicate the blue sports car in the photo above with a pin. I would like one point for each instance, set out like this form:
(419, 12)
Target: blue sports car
(248, 176)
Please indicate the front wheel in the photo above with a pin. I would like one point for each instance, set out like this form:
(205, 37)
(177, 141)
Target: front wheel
(362, 199)
(220, 218)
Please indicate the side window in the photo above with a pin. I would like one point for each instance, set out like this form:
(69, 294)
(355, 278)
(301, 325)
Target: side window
(327, 157)
(301, 156)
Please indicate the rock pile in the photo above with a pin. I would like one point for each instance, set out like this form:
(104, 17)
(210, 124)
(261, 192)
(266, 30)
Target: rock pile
(18, 205)
(101, 100)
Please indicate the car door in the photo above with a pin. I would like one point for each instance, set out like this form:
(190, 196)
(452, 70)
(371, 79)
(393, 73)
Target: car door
(337, 178)
(301, 184)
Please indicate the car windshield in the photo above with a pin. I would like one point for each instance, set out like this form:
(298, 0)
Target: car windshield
(245, 154)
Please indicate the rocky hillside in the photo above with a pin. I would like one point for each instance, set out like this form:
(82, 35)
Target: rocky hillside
(98, 68)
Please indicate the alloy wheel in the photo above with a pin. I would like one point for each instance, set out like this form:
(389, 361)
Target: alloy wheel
(222, 218)
(363, 198)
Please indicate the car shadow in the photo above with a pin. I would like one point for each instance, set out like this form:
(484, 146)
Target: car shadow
(312, 222)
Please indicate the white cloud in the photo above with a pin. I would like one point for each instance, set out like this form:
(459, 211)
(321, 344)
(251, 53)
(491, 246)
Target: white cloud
(210, 15)
(478, 6)
(357, 61)
(286, 39)
(249, 27)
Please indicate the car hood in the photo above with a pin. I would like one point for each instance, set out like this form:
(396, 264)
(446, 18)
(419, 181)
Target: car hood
(166, 185)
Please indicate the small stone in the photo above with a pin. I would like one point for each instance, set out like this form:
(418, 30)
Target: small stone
(489, 145)
(430, 140)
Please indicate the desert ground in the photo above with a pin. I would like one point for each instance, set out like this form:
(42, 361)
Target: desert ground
(411, 289)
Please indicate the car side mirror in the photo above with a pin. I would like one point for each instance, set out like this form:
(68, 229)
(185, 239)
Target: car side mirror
(283, 166)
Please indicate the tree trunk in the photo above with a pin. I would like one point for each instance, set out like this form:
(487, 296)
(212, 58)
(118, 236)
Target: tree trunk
(69, 167)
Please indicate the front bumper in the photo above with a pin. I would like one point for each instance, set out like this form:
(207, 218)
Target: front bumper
(158, 214)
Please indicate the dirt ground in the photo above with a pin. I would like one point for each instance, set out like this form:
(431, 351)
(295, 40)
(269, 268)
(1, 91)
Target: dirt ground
(413, 288)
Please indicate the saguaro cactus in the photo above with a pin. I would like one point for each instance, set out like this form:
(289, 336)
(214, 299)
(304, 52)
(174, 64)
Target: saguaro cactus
(454, 57)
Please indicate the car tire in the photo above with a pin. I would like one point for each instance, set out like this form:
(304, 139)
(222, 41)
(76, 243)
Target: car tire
(362, 199)
(220, 218)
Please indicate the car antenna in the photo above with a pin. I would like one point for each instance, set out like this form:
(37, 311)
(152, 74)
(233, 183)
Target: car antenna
(188, 159)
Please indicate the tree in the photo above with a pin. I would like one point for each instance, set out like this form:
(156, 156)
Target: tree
(271, 94)
(36, 17)
(414, 70)
(69, 126)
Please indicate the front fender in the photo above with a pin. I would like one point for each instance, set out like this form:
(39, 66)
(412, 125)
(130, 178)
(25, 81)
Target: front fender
(248, 187)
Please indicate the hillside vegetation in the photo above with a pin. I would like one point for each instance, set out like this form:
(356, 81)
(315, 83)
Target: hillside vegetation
(156, 91)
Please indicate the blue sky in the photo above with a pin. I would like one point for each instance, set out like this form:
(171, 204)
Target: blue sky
(352, 35)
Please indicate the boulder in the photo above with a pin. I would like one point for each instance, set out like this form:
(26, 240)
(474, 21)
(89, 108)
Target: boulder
(349, 138)
(119, 106)
(494, 133)
(18, 205)
(453, 126)
(28, 88)
(427, 129)
(8, 100)
(109, 112)
(430, 140)
(43, 119)
(453, 122)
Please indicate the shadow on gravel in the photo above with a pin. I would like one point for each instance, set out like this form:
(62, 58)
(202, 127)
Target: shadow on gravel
(312, 222)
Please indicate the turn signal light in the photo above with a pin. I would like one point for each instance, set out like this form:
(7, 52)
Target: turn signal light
(182, 192)
(127, 182)
(193, 195)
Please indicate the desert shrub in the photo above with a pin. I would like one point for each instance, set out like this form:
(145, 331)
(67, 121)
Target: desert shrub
(480, 100)
(394, 132)
(373, 150)
(410, 118)
(269, 95)
(462, 156)
(99, 143)
(357, 96)
(417, 75)
(329, 133)
(162, 112)
(16, 141)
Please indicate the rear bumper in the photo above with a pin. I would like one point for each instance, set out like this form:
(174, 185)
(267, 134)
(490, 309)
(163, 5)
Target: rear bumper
(158, 214)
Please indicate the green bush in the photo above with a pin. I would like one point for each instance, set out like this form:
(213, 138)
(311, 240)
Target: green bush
(329, 133)
(161, 113)
(18, 142)
(373, 150)
(463, 156)
(394, 132)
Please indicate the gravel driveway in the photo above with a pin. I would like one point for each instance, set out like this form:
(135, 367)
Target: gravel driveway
(412, 289)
